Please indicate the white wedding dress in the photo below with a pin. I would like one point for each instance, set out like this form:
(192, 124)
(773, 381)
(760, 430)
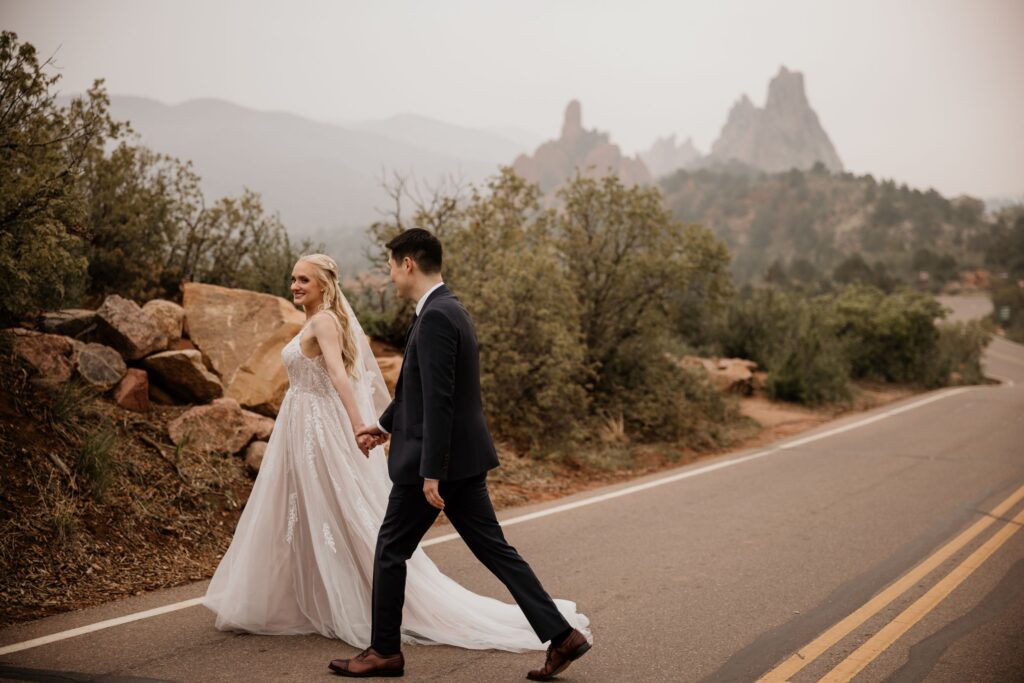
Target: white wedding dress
(301, 560)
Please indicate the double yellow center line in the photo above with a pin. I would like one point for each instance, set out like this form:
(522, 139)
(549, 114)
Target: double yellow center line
(877, 644)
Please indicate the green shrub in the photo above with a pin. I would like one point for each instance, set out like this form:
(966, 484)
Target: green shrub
(658, 400)
(808, 366)
(792, 337)
(957, 356)
(889, 337)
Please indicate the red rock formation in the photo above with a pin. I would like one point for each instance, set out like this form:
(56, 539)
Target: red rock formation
(588, 151)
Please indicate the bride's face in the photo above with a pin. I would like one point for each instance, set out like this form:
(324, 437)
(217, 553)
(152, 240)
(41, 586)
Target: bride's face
(306, 289)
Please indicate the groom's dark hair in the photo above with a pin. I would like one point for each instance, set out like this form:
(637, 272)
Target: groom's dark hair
(421, 246)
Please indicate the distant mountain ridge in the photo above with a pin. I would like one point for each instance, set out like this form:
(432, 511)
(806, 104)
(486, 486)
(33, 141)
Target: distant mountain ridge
(319, 176)
(447, 139)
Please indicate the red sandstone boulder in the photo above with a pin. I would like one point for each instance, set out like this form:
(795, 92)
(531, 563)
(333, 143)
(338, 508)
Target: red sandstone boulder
(183, 374)
(242, 334)
(52, 356)
(132, 393)
(220, 427)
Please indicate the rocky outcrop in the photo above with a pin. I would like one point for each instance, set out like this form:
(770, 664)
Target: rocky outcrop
(124, 325)
(665, 156)
(51, 355)
(169, 317)
(261, 381)
(588, 151)
(220, 427)
(242, 334)
(100, 366)
(183, 375)
(785, 134)
(132, 393)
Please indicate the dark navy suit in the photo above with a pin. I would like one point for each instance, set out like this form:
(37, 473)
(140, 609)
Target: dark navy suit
(438, 431)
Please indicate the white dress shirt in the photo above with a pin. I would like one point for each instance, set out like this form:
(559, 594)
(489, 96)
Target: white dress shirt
(419, 309)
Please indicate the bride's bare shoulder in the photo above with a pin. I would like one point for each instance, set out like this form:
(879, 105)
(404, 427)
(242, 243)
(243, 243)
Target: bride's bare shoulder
(324, 322)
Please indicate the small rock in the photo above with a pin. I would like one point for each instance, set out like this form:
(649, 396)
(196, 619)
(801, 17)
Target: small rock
(52, 356)
(220, 427)
(262, 426)
(129, 329)
(169, 317)
(254, 455)
(100, 366)
(70, 322)
(133, 391)
(734, 375)
(183, 374)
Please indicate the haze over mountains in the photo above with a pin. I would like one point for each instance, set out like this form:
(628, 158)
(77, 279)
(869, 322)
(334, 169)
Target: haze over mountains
(323, 176)
(317, 175)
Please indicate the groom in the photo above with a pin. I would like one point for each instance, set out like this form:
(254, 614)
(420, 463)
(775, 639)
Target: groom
(440, 454)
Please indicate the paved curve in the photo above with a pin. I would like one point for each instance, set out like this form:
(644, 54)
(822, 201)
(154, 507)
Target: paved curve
(718, 576)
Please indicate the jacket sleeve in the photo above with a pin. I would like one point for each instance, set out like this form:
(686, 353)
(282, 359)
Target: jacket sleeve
(437, 346)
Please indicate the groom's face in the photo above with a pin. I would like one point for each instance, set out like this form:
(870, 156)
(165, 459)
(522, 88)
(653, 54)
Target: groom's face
(401, 275)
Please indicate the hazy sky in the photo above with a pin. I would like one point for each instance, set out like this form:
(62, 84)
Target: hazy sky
(930, 92)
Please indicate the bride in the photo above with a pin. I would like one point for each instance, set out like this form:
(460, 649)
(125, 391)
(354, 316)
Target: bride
(301, 560)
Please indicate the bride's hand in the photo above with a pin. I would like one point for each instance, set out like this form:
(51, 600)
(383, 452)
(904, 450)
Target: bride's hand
(364, 441)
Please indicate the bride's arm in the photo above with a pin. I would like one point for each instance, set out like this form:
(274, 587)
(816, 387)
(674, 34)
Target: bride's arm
(326, 332)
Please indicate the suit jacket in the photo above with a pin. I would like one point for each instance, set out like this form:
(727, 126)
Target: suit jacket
(436, 420)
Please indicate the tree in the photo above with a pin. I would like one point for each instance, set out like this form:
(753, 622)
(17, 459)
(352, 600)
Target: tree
(631, 265)
(575, 306)
(42, 149)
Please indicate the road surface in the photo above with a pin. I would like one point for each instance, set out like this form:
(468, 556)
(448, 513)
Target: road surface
(881, 546)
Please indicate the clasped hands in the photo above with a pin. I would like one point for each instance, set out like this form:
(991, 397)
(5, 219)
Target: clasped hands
(369, 437)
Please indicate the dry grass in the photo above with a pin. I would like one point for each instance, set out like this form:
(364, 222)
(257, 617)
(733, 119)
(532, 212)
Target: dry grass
(96, 504)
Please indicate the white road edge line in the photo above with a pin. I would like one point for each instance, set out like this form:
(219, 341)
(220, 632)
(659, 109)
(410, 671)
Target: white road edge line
(100, 625)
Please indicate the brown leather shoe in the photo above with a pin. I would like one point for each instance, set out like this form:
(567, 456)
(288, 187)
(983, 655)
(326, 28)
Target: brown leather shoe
(369, 663)
(559, 658)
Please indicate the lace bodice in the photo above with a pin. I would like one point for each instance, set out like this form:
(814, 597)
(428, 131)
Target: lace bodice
(309, 375)
(305, 374)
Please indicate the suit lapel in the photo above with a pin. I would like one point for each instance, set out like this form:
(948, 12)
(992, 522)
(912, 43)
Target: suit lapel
(434, 296)
(411, 336)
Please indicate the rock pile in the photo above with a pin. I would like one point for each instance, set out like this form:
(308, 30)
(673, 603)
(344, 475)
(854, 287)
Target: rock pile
(219, 352)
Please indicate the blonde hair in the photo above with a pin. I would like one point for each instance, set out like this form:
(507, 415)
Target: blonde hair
(327, 275)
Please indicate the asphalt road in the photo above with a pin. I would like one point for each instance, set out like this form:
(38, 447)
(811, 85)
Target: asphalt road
(721, 570)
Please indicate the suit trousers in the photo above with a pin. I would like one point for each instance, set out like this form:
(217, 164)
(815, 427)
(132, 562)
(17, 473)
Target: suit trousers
(468, 506)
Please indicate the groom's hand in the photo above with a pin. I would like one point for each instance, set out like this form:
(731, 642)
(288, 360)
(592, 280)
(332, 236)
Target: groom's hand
(431, 492)
(370, 436)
